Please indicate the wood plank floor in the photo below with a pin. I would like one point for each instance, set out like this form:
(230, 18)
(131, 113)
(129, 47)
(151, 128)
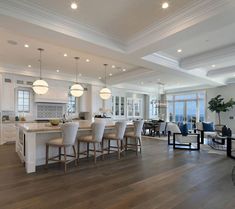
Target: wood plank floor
(160, 178)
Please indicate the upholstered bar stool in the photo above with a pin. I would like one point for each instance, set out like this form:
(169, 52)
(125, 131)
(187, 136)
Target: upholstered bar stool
(69, 133)
(97, 132)
(136, 135)
(118, 136)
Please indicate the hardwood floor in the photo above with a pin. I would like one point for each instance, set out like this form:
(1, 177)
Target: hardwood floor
(160, 178)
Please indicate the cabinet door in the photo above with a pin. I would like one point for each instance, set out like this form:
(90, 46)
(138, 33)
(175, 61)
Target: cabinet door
(8, 97)
(130, 107)
(117, 105)
(122, 107)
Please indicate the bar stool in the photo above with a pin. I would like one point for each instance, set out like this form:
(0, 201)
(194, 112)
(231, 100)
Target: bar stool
(118, 136)
(97, 132)
(69, 133)
(136, 135)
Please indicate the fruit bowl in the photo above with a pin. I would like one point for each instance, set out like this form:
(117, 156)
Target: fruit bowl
(55, 122)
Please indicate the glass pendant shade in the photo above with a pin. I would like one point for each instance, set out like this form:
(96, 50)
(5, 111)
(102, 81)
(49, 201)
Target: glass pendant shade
(40, 86)
(105, 93)
(76, 90)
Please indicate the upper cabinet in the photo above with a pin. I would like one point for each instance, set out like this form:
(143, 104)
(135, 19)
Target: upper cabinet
(8, 96)
(134, 107)
(118, 107)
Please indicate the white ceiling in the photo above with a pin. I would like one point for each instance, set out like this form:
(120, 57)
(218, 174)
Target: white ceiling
(121, 33)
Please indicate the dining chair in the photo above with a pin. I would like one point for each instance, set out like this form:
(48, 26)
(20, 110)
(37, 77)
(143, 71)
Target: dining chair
(96, 137)
(69, 133)
(118, 136)
(136, 136)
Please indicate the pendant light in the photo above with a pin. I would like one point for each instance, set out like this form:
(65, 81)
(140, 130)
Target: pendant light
(76, 89)
(40, 86)
(105, 93)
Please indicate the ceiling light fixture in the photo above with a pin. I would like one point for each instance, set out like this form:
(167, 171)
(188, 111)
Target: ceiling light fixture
(165, 5)
(105, 93)
(110, 74)
(74, 5)
(76, 89)
(57, 71)
(65, 55)
(26, 46)
(40, 86)
(179, 50)
(87, 60)
(29, 66)
(100, 78)
(124, 70)
(213, 66)
(113, 66)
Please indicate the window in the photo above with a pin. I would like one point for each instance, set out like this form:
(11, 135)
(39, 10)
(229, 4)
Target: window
(71, 104)
(187, 108)
(23, 100)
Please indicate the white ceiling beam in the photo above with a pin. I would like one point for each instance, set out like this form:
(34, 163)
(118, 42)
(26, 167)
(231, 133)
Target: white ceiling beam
(212, 57)
(221, 71)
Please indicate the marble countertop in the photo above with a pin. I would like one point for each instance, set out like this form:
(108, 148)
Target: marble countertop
(47, 127)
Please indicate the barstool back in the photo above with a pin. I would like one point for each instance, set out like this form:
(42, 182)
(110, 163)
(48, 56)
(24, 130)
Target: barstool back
(138, 126)
(97, 131)
(69, 133)
(120, 128)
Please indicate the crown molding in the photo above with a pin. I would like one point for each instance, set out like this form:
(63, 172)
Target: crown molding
(34, 14)
(190, 15)
(221, 71)
(219, 55)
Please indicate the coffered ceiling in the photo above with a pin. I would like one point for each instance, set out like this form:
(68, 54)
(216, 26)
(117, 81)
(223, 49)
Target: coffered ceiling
(136, 35)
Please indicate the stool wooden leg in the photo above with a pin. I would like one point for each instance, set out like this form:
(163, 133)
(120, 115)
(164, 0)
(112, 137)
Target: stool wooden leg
(59, 153)
(108, 146)
(140, 143)
(118, 147)
(126, 143)
(65, 160)
(88, 149)
(136, 145)
(47, 150)
(78, 151)
(94, 145)
(102, 149)
(75, 156)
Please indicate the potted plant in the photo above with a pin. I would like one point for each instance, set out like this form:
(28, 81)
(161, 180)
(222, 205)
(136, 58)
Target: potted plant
(218, 105)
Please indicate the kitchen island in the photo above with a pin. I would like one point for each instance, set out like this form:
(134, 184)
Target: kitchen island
(31, 143)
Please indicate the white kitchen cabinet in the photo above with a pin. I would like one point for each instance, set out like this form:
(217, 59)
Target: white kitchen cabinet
(134, 107)
(9, 132)
(119, 106)
(8, 97)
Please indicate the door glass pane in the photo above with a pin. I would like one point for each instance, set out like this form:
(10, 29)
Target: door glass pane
(201, 110)
(129, 107)
(179, 112)
(170, 111)
(122, 106)
(191, 113)
(117, 106)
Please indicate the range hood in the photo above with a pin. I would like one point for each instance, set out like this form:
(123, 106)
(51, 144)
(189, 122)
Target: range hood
(54, 95)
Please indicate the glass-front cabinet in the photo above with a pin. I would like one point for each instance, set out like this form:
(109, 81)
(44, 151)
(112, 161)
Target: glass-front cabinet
(118, 106)
(134, 107)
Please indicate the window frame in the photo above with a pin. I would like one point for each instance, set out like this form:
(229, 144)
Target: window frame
(29, 106)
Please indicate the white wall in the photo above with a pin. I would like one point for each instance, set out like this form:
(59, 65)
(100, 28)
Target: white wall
(227, 92)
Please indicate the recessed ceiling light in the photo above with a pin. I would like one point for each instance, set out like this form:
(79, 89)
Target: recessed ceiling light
(179, 50)
(65, 55)
(110, 74)
(29, 66)
(124, 70)
(26, 46)
(100, 78)
(113, 66)
(213, 66)
(87, 60)
(74, 5)
(57, 71)
(79, 74)
(165, 5)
